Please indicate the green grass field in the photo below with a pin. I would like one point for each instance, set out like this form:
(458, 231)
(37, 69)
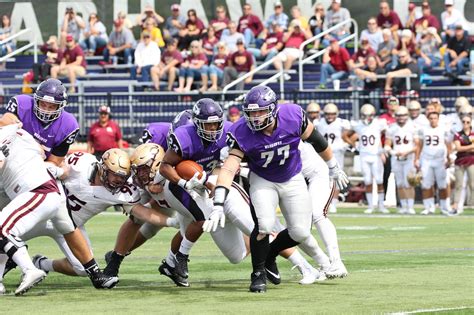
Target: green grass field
(395, 263)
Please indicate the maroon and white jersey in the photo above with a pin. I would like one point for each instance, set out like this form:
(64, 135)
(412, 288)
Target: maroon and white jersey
(370, 136)
(333, 132)
(24, 168)
(434, 142)
(403, 137)
(84, 200)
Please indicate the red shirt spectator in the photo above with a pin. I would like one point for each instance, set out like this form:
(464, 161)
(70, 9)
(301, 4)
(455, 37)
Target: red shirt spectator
(193, 59)
(465, 139)
(273, 39)
(220, 60)
(387, 21)
(339, 59)
(104, 134)
(216, 23)
(295, 40)
(71, 54)
(169, 56)
(430, 20)
(196, 24)
(363, 53)
(242, 61)
(208, 44)
(248, 20)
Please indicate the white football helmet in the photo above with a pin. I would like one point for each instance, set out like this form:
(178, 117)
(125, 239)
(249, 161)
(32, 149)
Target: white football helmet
(330, 112)
(145, 162)
(401, 115)
(367, 113)
(460, 101)
(414, 108)
(114, 169)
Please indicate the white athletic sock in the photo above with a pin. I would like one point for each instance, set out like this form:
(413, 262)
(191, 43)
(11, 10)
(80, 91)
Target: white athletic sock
(426, 203)
(443, 203)
(3, 262)
(370, 200)
(170, 259)
(185, 246)
(327, 232)
(47, 265)
(296, 258)
(23, 260)
(411, 203)
(404, 203)
(432, 203)
(381, 200)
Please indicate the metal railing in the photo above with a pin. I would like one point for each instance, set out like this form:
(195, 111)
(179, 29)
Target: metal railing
(23, 48)
(302, 61)
(279, 74)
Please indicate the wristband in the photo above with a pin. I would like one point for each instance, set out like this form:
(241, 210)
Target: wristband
(182, 183)
(332, 163)
(220, 194)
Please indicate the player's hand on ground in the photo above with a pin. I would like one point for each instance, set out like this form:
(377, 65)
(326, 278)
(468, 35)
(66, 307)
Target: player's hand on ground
(216, 218)
(339, 176)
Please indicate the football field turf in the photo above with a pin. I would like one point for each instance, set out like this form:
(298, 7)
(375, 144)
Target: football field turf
(395, 263)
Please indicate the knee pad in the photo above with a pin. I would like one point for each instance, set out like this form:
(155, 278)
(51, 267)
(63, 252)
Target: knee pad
(298, 233)
(149, 230)
(318, 218)
(265, 225)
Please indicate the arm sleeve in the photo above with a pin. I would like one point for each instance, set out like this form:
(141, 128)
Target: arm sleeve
(174, 145)
(232, 142)
(317, 141)
(12, 106)
(304, 121)
(62, 149)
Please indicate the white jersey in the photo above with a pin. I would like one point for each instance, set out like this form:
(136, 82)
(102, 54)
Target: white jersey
(456, 124)
(85, 200)
(333, 132)
(312, 162)
(434, 145)
(403, 138)
(24, 168)
(370, 136)
(421, 121)
(316, 122)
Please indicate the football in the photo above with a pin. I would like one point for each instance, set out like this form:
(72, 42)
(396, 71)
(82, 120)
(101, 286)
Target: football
(187, 168)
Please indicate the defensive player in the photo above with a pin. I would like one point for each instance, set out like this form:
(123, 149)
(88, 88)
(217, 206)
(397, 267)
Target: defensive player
(401, 142)
(334, 129)
(368, 130)
(269, 135)
(432, 156)
(43, 117)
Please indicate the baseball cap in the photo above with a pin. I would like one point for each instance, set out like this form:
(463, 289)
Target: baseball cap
(175, 7)
(426, 5)
(277, 4)
(295, 23)
(104, 109)
(333, 40)
(459, 27)
(234, 111)
(69, 38)
(240, 42)
(337, 1)
(118, 23)
(393, 100)
(448, 2)
(364, 40)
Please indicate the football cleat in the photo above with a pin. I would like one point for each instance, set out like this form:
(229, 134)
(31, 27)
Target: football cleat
(336, 270)
(181, 265)
(169, 271)
(427, 211)
(273, 275)
(310, 274)
(402, 211)
(259, 282)
(102, 281)
(2, 289)
(384, 210)
(29, 279)
(37, 261)
(369, 211)
(108, 256)
(9, 266)
(411, 211)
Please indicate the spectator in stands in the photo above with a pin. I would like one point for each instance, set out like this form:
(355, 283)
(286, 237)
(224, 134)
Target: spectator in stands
(239, 63)
(192, 30)
(272, 45)
(429, 50)
(175, 22)
(95, 35)
(450, 17)
(456, 57)
(41, 71)
(121, 42)
(73, 24)
(292, 39)
(296, 15)
(373, 33)
(367, 80)
(215, 71)
(396, 80)
(231, 37)
(154, 31)
(385, 59)
(191, 68)
(413, 15)
(234, 114)
(209, 42)
(250, 25)
(316, 22)
(389, 19)
(464, 163)
(122, 16)
(406, 42)
(169, 66)
(427, 20)
(364, 51)
(279, 16)
(147, 55)
(73, 63)
(104, 134)
(221, 21)
(334, 16)
(149, 12)
(5, 32)
(336, 64)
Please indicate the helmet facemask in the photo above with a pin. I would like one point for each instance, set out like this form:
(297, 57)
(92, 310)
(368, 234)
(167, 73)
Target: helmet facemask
(206, 133)
(261, 122)
(112, 181)
(47, 116)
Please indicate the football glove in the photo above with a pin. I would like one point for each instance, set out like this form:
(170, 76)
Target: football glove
(339, 176)
(194, 183)
(216, 218)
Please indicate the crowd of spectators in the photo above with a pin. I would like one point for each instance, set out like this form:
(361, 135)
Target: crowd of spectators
(182, 50)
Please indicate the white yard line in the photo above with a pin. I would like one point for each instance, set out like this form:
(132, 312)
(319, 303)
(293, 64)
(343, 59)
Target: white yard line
(440, 309)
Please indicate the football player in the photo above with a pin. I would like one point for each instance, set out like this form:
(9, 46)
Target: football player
(43, 117)
(401, 142)
(432, 156)
(334, 129)
(91, 188)
(269, 135)
(414, 109)
(368, 130)
(313, 110)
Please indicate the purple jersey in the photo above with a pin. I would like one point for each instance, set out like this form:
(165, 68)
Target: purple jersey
(186, 143)
(157, 133)
(275, 158)
(55, 137)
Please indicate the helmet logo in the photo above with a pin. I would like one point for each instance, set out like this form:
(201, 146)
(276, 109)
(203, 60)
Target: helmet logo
(196, 110)
(270, 95)
(253, 106)
(48, 98)
(213, 118)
